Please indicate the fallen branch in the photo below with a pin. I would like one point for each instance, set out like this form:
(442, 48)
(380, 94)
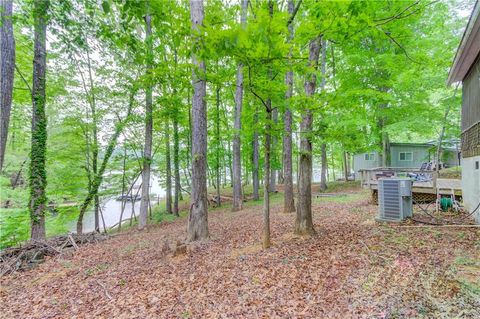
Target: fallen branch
(32, 253)
(74, 244)
(105, 290)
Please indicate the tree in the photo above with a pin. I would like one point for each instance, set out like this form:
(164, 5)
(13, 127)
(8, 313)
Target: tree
(255, 161)
(147, 151)
(7, 70)
(98, 178)
(38, 174)
(304, 222)
(198, 217)
(168, 170)
(237, 160)
(288, 201)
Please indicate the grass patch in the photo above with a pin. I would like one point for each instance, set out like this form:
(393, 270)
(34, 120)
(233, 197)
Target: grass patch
(15, 224)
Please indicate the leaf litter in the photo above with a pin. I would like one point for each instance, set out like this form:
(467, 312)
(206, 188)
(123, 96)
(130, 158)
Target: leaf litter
(352, 268)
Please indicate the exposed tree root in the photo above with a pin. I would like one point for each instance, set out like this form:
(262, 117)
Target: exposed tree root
(32, 253)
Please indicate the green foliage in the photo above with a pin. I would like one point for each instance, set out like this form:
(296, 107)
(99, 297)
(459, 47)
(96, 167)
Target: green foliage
(385, 72)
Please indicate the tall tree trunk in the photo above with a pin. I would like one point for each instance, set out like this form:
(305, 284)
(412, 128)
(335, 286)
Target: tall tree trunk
(93, 109)
(7, 71)
(237, 125)
(266, 170)
(288, 203)
(345, 165)
(38, 174)
(198, 217)
(273, 172)
(304, 222)
(217, 151)
(176, 166)
(442, 132)
(147, 150)
(230, 161)
(168, 170)
(323, 176)
(97, 179)
(332, 158)
(176, 158)
(266, 176)
(255, 161)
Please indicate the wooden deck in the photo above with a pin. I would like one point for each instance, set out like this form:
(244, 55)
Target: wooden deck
(434, 185)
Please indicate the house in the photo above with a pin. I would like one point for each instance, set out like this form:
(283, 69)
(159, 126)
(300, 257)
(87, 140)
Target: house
(410, 155)
(466, 68)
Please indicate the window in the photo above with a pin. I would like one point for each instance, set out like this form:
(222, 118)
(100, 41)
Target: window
(477, 165)
(369, 156)
(405, 156)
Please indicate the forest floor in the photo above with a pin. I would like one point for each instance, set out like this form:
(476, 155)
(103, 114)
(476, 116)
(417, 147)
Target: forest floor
(353, 268)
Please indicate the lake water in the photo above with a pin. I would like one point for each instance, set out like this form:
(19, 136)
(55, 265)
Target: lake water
(112, 207)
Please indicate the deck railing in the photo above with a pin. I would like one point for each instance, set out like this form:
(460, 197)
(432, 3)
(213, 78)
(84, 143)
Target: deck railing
(370, 176)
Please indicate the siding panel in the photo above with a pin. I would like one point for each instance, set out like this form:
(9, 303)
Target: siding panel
(471, 112)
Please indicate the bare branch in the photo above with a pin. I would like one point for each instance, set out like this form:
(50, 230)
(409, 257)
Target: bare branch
(23, 78)
(294, 13)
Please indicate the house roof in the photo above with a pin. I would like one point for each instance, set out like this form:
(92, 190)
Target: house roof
(469, 48)
(413, 144)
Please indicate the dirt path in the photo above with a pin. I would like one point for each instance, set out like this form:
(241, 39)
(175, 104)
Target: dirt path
(353, 268)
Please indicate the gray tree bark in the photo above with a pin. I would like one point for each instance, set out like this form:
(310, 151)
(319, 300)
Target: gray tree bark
(255, 161)
(176, 166)
(304, 222)
(7, 71)
(323, 177)
(176, 158)
(288, 200)
(217, 151)
(168, 170)
(237, 126)
(266, 176)
(198, 217)
(147, 150)
(93, 109)
(345, 165)
(273, 172)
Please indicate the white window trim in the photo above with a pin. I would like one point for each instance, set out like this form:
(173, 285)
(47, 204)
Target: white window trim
(369, 154)
(405, 160)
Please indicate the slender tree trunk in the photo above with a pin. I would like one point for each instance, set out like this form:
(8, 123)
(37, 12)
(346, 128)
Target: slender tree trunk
(442, 132)
(124, 201)
(323, 177)
(176, 158)
(93, 109)
(332, 158)
(255, 161)
(237, 159)
(304, 222)
(345, 165)
(266, 176)
(7, 71)
(176, 166)
(168, 170)
(385, 146)
(288, 203)
(266, 172)
(198, 217)
(38, 174)
(230, 162)
(147, 150)
(97, 179)
(217, 151)
(273, 151)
